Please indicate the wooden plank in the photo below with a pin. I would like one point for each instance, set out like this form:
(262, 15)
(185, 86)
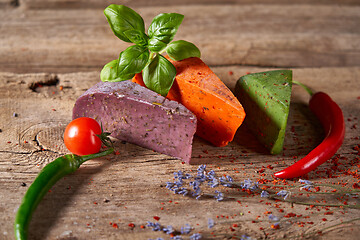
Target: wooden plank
(104, 196)
(255, 34)
(82, 4)
(5, 4)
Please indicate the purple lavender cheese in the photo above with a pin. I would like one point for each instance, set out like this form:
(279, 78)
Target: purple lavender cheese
(140, 116)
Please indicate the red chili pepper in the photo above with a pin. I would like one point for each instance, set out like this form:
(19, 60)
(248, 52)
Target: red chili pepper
(332, 120)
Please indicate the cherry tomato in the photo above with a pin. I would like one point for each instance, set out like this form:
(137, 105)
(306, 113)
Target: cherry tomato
(80, 136)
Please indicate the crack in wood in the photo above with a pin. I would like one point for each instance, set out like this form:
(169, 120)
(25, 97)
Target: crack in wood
(53, 80)
(41, 148)
(14, 152)
(38, 142)
(15, 3)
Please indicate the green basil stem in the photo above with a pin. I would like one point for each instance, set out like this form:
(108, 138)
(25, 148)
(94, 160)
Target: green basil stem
(152, 56)
(47, 177)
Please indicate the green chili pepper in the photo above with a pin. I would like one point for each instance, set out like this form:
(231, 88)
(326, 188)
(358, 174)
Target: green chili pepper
(47, 177)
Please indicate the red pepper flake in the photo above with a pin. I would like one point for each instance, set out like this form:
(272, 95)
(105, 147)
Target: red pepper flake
(114, 225)
(275, 226)
(356, 186)
(156, 218)
(329, 213)
(269, 167)
(131, 225)
(231, 73)
(235, 225)
(289, 215)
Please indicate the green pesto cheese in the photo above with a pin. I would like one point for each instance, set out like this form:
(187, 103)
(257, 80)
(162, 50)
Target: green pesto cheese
(265, 97)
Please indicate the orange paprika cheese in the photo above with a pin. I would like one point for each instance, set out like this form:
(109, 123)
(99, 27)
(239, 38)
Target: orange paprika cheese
(218, 111)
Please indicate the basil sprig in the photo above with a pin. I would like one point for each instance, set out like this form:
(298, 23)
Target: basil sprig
(145, 56)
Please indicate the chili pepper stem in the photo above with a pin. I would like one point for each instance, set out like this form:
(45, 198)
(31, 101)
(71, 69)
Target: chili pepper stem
(96, 155)
(304, 87)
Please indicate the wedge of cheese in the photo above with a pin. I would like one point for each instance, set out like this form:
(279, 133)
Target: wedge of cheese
(266, 99)
(140, 116)
(218, 111)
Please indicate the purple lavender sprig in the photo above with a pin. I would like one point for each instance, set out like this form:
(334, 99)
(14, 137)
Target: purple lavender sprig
(194, 186)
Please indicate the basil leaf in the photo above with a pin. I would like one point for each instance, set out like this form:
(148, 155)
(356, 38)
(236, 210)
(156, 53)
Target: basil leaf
(163, 29)
(156, 45)
(130, 61)
(159, 75)
(121, 19)
(179, 50)
(137, 37)
(109, 72)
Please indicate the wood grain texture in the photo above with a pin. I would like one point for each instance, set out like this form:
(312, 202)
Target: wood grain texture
(51, 51)
(130, 187)
(71, 4)
(298, 35)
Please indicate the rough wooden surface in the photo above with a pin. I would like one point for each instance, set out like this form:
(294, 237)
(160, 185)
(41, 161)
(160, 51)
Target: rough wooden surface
(62, 45)
(273, 35)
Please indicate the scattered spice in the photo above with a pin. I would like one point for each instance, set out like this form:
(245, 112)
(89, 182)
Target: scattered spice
(275, 226)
